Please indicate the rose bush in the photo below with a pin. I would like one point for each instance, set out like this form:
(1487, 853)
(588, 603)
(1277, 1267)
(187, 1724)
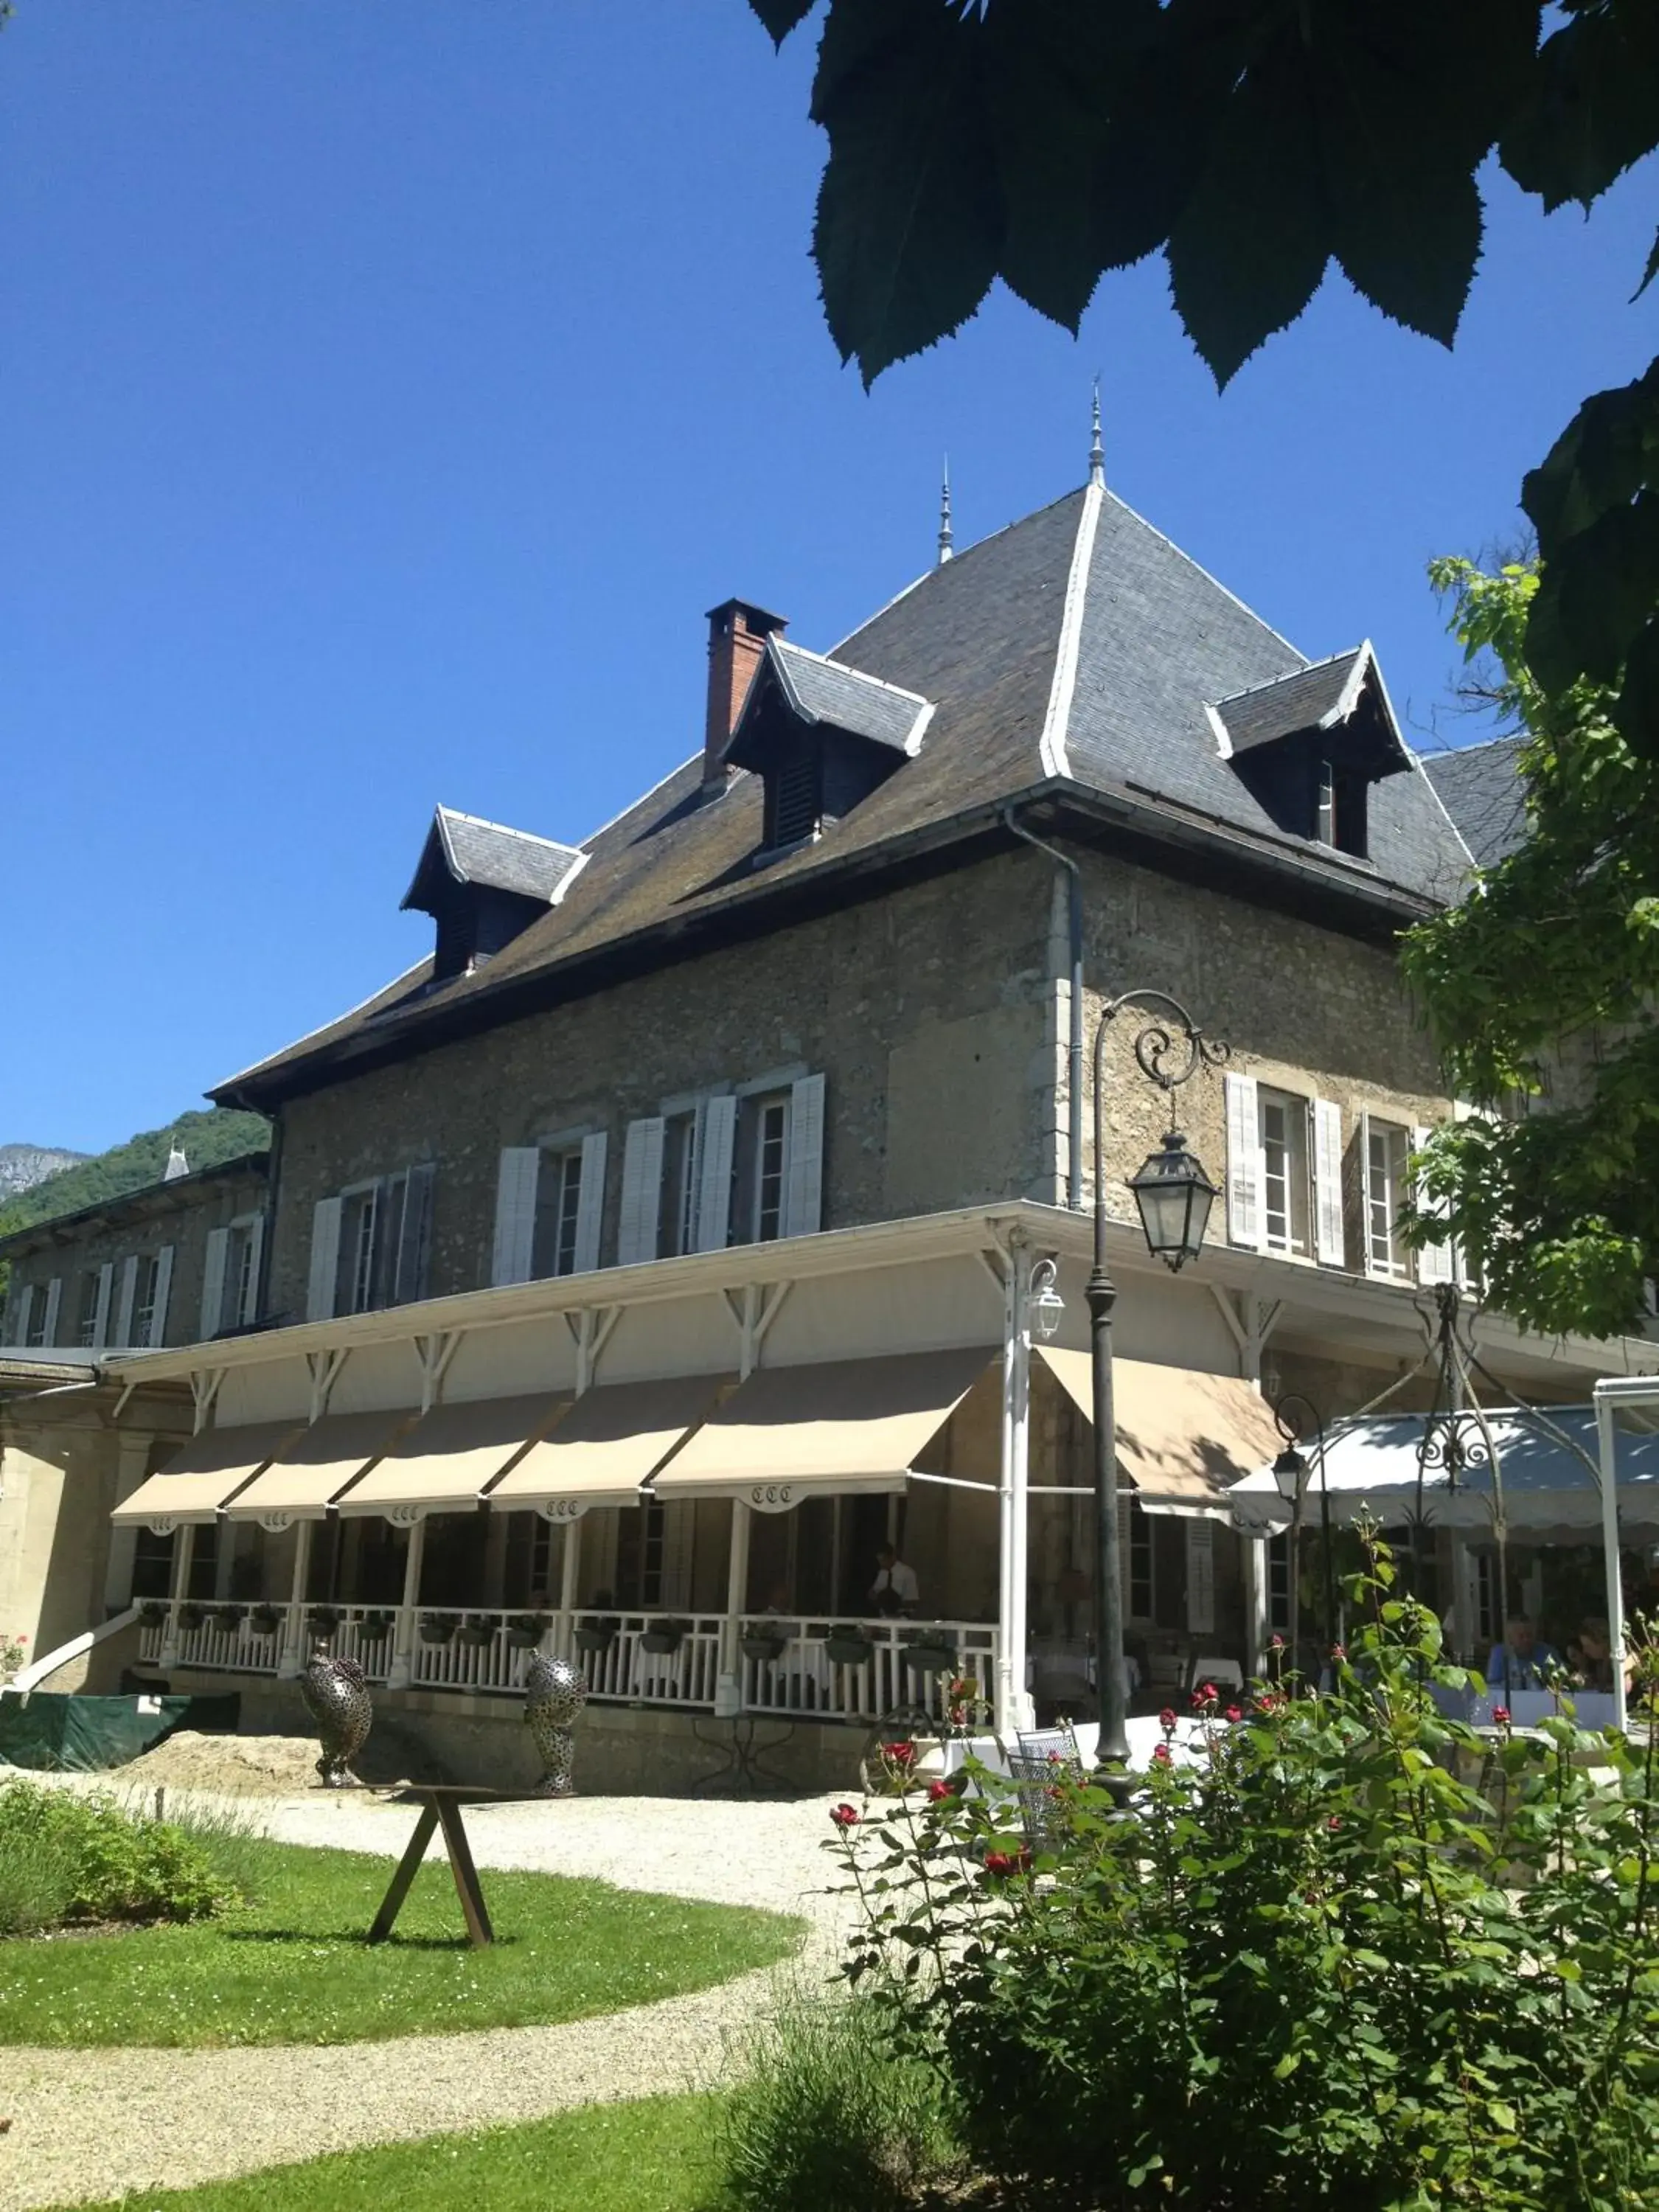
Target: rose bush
(1318, 1967)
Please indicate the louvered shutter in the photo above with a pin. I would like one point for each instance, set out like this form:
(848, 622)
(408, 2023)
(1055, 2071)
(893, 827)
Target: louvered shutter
(803, 1213)
(719, 1124)
(1200, 1577)
(158, 1316)
(17, 1315)
(590, 1203)
(642, 1190)
(515, 1214)
(54, 1304)
(413, 1263)
(213, 1285)
(248, 1311)
(324, 1259)
(1246, 1214)
(101, 1304)
(1436, 1262)
(1329, 1244)
(124, 1303)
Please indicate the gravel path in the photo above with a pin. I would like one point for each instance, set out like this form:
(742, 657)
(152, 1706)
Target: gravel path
(91, 2125)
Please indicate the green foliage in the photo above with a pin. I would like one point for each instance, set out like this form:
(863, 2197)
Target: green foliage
(1317, 1969)
(649, 2156)
(65, 1858)
(290, 1965)
(830, 2118)
(208, 1140)
(1544, 981)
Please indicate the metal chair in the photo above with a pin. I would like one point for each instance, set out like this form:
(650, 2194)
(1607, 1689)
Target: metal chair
(1042, 1759)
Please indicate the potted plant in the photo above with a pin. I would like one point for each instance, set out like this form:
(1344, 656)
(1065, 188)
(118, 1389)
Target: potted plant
(761, 1640)
(229, 1616)
(436, 1628)
(152, 1612)
(664, 1636)
(595, 1635)
(190, 1618)
(322, 1619)
(374, 1627)
(264, 1620)
(928, 1654)
(526, 1630)
(848, 1646)
(475, 1631)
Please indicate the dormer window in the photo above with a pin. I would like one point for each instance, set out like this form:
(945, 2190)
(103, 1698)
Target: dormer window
(1309, 746)
(822, 737)
(483, 885)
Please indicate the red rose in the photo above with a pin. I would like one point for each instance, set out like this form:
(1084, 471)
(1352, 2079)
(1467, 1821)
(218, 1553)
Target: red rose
(1166, 1720)
(899, 1754)
(1205, 1696)
(1277, 1643)
(1160, 1755)
(939, 1791)
(1234, 1713)
(1339, 1652)
(1007, 1863)
(1500, 1715)
(844, 1816)
(1334, 1822)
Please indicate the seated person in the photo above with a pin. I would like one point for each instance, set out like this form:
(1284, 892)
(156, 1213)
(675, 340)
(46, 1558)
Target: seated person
(895, 1588)
(1521, 1661)
(1595, 1664)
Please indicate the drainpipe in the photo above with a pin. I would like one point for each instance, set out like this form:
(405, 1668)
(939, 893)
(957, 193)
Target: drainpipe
(1074, 1051)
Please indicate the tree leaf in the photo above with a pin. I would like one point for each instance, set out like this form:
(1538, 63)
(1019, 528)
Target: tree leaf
(781, 16)
(1592, 106)
(1649, 272)
(909, 223)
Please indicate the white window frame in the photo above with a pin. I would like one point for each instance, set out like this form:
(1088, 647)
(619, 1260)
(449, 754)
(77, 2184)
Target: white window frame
(774, 1113)
(146, 1291)
(1296, 1176)
(356, 1266)
(1382, 1193)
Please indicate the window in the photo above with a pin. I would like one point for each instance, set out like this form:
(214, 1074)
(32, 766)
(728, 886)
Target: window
(34, 1311)
(651, 1556)
(145, 1283)
(360, 1214)
(1142, 1580)
(558, 1209)
(86, 1324)
(1387, 1148)
(241, 1274)
(677, 1228)
(1279, 1583)
(771, 1162)
(794, 794)
(369, 1247)
(1282, 1121)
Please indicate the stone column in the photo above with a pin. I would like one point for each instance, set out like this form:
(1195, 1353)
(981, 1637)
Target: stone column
(401, 1672)
(291, 1659)
(183, 1550)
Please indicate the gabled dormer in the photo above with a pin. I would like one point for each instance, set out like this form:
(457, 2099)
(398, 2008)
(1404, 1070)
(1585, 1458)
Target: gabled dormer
(484, 884)
(822, 737)
(1308, 746)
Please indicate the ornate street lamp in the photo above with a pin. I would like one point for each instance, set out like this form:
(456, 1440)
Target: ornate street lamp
(1173, 1196)
(1297, 1418)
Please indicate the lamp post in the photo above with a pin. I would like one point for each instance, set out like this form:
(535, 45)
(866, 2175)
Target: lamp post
(1290, 1474)
(1173, 1196)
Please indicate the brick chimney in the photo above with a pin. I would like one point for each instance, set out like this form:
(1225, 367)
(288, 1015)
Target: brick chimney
(736, 639)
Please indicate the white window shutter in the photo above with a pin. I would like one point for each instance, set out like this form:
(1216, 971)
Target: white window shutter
(1436, 1262)
(803, 1213)
(413, 1261)
(213, 1285)
(1200, 1577)
(1329, 1241)
(720, 1125)
(248, 1312)
(515, 1214)
(124, 1303)
(590, 1203)
(54, 1305)
(1246, 1214)
(158, 1318)
(100, 1305)
(642, 1190)
(324, 1259)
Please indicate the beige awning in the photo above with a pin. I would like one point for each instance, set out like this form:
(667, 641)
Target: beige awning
(612, 1439)
(312, 1470)
(452, 1454)
(1184, 1436)
(202, 1474)
(847, 1425)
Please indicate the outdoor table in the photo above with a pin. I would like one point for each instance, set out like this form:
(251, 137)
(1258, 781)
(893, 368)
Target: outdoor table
(441, 1806)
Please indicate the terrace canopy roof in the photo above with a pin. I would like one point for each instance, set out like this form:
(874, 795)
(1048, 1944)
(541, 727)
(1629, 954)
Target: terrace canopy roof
(452, 1455)
(202, 1475)
(613, 1440)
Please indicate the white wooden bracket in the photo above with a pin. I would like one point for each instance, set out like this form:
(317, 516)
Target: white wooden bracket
(590, 1328)
(203, 1388)
(324, 1367)
(432, 1354)
(1249, 1323)
(753, 1312)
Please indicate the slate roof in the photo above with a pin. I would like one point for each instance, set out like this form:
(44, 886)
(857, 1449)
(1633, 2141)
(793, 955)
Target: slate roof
(1485, 794)
(1076, 651)
(478, 852)
(826, 691)
(1312, 699)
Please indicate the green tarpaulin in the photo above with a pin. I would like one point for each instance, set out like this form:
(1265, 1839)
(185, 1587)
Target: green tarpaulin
(54, 1734)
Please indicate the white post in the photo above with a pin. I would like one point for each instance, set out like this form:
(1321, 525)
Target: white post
(1256, 1568)
(570, 1586)
(1012, 1706)
(291, 1659)
(401, 1672)
(183, 1551)
(1607, 1443)
(131, 1462)
(737, 1593)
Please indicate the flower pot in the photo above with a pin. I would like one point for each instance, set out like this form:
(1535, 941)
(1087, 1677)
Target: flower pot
(153, 1614)
(264, 1620)
(524, 1630)
(595, 1635)
(665, 1639)
(476, 1633)
(931, 1659)
(849, 1650)
(375, 1628)
(322, 1621)
(761, 1647)
(436, 1631)
(190, 1618)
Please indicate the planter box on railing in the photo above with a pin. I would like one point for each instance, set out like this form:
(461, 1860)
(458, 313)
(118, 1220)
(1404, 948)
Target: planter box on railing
(475, 1634)
(761, 1645)
(264, 1620)
(848, 1647)
(526, 1630)
(667, 1637)
(929, 1658)
(595, 1635)
(435, 1630)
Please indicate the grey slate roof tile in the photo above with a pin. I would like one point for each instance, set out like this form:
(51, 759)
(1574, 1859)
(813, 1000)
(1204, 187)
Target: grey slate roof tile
(1485, 794)
(827, 691)
(1287, 704)
(479, 851)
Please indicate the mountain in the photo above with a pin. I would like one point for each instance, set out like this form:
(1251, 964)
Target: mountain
(206, 1138)
(22, 1166)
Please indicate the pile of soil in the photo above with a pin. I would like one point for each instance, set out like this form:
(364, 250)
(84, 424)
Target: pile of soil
(239, 1766)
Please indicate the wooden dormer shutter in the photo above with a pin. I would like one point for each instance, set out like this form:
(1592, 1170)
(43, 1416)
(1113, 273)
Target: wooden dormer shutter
(125, 1300)
(642, 1190)
(324, 1275)
(1330, 1243)
(1436, 1262)
(590, 1203)
(158, 1312)
(412, 1265)
(54, 1306)
(513, 1259)
(101, 1304)
(802, 1212)
(248, 1313)
(1246, 1213)
(720, 1125)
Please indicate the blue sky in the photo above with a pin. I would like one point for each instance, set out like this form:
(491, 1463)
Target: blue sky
(388, 391)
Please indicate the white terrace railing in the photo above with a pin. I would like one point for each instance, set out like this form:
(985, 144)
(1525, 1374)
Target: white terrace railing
(823, 1668)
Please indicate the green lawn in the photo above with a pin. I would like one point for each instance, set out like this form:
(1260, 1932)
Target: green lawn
(291, 1965)
(653, 2156)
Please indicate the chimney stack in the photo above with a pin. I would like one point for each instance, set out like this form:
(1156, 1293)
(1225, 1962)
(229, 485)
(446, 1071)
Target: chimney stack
(736, 639)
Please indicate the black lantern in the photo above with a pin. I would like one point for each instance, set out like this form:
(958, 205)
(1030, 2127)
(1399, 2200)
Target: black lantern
(1289, 1468)
(1175, 1196)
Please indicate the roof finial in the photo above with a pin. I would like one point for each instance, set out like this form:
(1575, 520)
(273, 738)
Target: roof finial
(1096, 451)
(944, 515)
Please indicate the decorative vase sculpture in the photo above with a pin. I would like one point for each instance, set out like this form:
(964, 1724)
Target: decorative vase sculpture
(336, 1691)
(554, 1694)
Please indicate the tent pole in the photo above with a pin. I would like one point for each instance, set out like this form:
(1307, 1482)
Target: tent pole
(1607, 1450)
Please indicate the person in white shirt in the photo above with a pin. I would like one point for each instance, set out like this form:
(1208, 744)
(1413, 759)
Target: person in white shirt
(896, 1588)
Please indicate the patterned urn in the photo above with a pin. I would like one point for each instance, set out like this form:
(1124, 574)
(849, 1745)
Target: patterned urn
(336, 1691)
(554, 1694)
